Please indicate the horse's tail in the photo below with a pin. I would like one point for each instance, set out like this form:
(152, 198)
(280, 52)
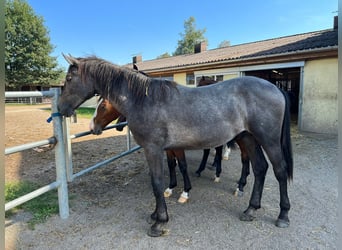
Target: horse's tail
(286, 138)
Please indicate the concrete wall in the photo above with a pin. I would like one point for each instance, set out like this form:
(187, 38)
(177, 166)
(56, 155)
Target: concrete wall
(319, 107)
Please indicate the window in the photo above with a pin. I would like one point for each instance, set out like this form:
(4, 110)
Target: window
(190, 79)
(219, 78)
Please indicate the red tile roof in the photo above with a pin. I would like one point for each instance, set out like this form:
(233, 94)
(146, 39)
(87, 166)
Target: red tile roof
(277, 46)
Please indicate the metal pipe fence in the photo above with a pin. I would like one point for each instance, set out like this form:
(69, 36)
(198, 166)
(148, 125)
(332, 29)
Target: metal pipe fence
(68, 138)
(63, 152)
(61, 182)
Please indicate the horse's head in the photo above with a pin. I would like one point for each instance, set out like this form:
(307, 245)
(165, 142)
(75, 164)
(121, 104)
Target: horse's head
(76, 90)
(104, 114)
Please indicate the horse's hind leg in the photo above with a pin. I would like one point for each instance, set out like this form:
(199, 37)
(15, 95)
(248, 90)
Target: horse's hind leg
(260, 166)
(218, 163)
(203, 162)
(244, 174)
(245, 168)
(243, 178)
(280, 171)
(171, 163)
(228, 147)
(183, 169)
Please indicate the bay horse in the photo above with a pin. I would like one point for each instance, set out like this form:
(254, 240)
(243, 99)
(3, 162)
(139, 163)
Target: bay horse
(165, 115)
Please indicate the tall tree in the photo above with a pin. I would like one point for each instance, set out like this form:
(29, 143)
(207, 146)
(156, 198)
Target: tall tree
(27, 48)
(190, 38)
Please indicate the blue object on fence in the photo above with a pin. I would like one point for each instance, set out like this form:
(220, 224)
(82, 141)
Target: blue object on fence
(53, 115)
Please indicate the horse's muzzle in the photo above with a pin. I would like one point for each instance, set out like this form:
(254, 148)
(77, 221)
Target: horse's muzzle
(65, 110)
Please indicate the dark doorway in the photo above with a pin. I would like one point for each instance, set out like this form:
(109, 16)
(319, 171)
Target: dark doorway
(288, 79)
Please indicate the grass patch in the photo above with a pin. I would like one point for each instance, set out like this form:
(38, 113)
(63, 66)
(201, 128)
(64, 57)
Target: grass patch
(85, 112)
(41, 207)
(81, 112)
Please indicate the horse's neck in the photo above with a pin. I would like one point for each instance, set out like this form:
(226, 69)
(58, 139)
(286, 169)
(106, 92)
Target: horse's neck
(116, 98)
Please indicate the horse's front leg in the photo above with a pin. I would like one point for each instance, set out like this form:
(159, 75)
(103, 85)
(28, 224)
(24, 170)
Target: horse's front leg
(183, 169)
(154, 157)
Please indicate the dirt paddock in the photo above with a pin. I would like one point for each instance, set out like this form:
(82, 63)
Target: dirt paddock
(110, 205)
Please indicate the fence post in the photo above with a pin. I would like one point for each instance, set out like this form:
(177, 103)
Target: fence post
(68, 149)
(63, 199)
(128, 136)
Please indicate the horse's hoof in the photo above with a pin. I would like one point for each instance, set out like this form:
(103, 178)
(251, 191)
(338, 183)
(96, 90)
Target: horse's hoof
(183, 198)
(238, 193)
(247, 217)
(282, 223)
(167, 192)
(249, 214)
(198, 174)
(216, 179)
(156, 231)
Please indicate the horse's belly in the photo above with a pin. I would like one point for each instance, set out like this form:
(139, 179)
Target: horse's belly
(197, 139)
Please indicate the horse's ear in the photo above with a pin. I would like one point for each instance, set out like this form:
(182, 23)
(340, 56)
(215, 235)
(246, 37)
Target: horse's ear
(71, 60)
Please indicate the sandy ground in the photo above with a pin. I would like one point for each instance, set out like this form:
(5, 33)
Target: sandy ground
(110, 205)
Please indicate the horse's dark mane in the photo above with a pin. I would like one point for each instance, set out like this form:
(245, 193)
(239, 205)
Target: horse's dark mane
(111, 77)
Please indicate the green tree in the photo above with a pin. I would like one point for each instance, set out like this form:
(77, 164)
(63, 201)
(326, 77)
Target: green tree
(165, 55)
(190, 38)
(27, 48)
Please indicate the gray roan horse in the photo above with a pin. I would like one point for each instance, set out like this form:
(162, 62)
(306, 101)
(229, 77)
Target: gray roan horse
(165, 115)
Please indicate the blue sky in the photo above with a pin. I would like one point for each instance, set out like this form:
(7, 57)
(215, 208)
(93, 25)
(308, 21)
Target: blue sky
(118, 30)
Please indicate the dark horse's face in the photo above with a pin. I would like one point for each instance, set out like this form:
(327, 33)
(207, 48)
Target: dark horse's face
(76, 90)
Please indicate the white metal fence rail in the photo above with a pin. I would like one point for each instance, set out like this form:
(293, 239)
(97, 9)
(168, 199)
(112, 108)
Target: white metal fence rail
(63, 153)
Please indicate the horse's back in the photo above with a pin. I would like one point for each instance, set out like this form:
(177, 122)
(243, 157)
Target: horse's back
(237, 93)
(244, 84)
(218, 112)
